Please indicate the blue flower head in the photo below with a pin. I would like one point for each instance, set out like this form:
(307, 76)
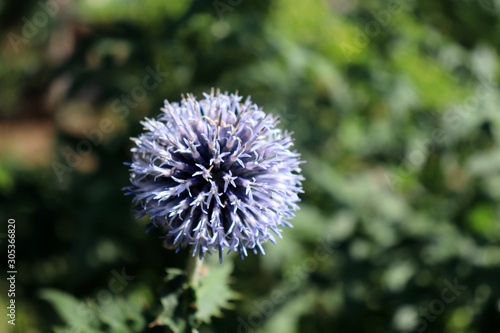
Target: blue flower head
(215, 173)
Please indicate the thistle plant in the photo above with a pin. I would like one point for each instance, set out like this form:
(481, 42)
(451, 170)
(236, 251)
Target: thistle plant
(215, 174)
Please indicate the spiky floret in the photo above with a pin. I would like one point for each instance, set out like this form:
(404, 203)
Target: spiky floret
(215, 173)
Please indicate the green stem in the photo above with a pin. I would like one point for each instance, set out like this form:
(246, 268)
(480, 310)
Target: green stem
(194, 270)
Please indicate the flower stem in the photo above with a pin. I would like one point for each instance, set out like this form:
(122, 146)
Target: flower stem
(193, 270)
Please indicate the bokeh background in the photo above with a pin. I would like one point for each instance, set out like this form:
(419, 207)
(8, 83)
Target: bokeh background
(394, 106)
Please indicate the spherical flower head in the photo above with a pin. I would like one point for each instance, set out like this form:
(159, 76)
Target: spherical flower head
(215, 173)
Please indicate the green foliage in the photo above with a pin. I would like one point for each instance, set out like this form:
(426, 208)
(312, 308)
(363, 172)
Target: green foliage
(214, 293)
(186, 305)
(108, 313)
(178, 303)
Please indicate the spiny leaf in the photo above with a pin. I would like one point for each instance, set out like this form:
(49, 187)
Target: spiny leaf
(214, 293)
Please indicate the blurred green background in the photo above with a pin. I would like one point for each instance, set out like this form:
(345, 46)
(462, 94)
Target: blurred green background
(394, 106)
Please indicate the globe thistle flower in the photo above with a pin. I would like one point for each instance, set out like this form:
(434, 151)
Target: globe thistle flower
(215, 174)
